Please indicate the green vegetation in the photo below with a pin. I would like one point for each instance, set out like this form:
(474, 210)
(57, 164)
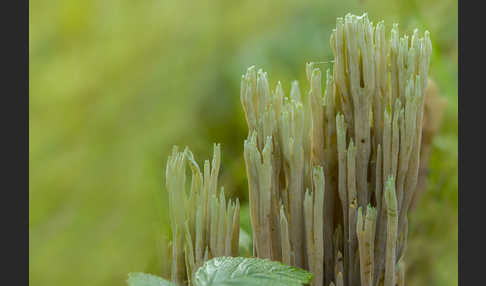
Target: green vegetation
(114, 84)
(144, 279)
(249, 271)
(236, 271)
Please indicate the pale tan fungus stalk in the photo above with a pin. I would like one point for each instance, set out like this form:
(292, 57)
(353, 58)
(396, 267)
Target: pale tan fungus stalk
(364, 128)
(205, 226)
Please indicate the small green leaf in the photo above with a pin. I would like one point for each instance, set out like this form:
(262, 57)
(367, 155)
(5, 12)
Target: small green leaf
(221, 271)
(144, 279)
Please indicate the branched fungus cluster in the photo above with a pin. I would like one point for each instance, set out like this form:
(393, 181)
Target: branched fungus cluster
(203, 224)
(331, 179)
(331, 175)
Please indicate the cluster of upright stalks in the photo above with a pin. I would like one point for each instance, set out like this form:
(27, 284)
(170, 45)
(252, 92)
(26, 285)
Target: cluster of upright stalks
(331, 178)
(203, 225)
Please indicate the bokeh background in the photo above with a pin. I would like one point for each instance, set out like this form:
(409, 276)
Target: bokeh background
(114, 84)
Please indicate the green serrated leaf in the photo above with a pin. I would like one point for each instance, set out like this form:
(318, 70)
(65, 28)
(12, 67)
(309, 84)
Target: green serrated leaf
(144, 279)
(221, 271)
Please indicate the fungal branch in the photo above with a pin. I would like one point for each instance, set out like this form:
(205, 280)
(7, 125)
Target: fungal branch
(331, 179)
(203, 224)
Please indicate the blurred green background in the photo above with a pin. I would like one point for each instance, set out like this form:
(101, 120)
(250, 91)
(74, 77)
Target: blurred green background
(114, 84)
